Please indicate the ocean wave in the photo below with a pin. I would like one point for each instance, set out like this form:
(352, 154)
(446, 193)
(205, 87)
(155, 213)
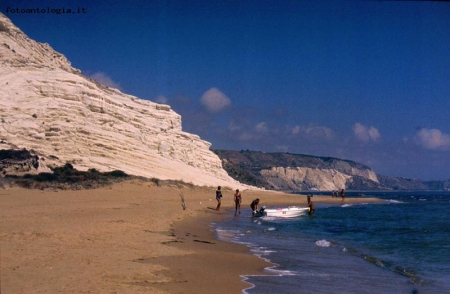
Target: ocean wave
(409, 273)
(323, 243)
(346, 205)
(261, 251)
(226, 235)
(281, 272)
(238, 241)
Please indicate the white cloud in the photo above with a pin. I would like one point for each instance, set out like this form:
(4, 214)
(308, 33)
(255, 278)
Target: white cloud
(296, 130)
(161, 99)
(261, 127)
(234, 126)
(246, 137)
(365, 133)
(104, 79)
(214, 100)
(432, 139)
(313, 131)
(255, 133)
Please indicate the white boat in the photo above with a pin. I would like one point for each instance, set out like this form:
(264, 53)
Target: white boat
(291, 211)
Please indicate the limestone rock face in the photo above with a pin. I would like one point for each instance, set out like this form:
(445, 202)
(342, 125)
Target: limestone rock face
(306, 178)
(51, 109)
(297, 172)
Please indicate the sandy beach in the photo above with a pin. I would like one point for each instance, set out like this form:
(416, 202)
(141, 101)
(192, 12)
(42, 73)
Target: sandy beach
(131, 237)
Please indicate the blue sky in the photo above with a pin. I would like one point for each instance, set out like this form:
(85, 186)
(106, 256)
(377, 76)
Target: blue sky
(367, 81)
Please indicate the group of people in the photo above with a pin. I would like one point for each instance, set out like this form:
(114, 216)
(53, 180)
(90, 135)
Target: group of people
(253, 205)
(237, 200)
(336, 193)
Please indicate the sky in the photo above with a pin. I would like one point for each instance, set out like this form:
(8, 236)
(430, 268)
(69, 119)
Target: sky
(367, 81)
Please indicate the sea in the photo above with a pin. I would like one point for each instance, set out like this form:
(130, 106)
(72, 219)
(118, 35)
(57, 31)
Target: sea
(401, 245)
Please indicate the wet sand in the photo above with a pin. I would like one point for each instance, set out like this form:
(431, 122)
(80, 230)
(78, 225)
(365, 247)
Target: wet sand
(132, 237)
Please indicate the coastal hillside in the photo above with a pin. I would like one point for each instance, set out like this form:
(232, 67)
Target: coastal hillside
(60, 116)
(298, 172)
(295, 172)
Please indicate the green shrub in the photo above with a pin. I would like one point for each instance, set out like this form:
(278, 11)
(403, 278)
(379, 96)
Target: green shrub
(67, 176)
(117, 174)
(45, 177)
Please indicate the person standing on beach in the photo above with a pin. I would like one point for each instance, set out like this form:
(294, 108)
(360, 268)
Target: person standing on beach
(342, 194)
(310, 206)
(218, 198)
(237, 201)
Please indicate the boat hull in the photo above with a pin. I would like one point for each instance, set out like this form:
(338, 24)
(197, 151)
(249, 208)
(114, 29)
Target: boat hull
(291, 211)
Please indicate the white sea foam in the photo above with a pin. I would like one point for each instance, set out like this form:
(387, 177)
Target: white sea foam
(323, 243)
(237, 241)
(261, 251)
(347, 205)
(393, 201)
(281, 272)
(226, 235)
(271, 229)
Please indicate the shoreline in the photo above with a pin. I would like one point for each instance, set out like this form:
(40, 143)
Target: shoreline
(231, 270)
(131, 237)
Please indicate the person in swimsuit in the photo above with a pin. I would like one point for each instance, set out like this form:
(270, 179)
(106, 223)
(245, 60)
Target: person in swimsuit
(218, 198)
(310, 206)
(237, 201)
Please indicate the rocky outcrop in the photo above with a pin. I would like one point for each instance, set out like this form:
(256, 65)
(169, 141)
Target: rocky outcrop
(19, 51)
(51, 109)
(18, 162)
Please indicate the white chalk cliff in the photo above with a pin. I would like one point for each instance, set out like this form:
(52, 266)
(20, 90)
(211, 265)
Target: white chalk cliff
(298, 172)
(290, 178)
(51, 109)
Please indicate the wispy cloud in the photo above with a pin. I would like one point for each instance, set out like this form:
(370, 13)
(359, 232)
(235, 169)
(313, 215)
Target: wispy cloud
(214, 100)
(247, 137)
(261, 128)
(365, 134)
(161, 99)
(432, 139)
(233, 126)
(104, 79)
(251, 132)
(313, 131)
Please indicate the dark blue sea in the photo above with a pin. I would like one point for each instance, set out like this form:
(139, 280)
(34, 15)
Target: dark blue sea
(399, 246)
